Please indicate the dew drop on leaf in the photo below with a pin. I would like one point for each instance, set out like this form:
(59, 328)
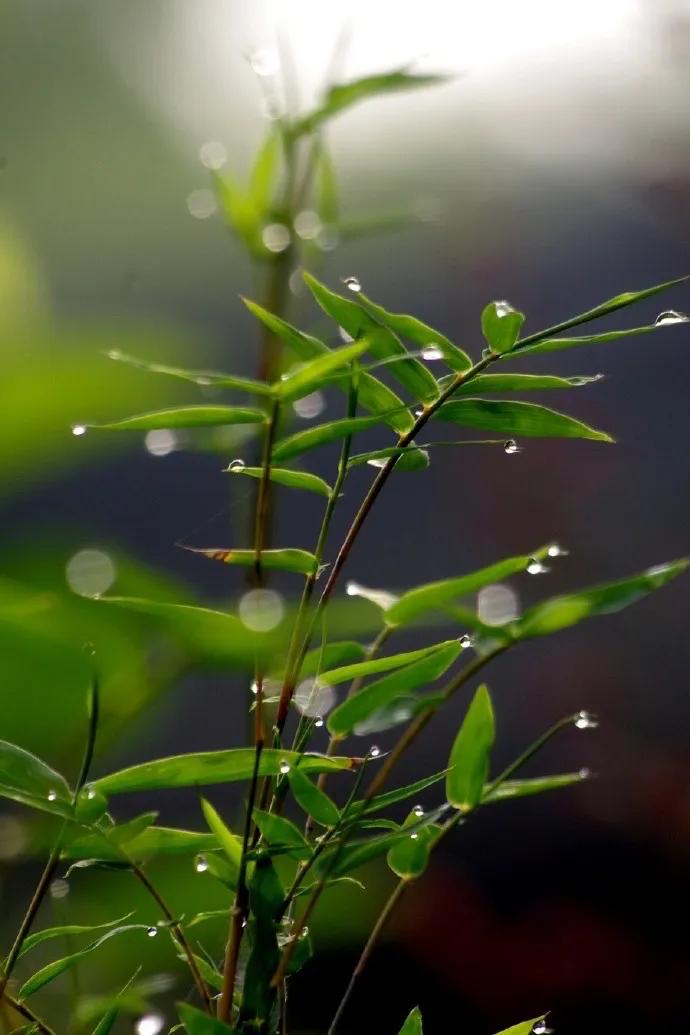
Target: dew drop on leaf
(466, 641)
(586, 721)
(510, 447)
(237, 464)
(671, 316)
(78, 429)
(200, 864)
(432, 352)
(374, 751)
(352, 283)
(285, 767)
(152, 932)
(536, 567)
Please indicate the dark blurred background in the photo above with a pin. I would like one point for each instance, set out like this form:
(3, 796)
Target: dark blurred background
(553, 171)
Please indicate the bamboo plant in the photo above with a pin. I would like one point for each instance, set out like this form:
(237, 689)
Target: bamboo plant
(314, 818)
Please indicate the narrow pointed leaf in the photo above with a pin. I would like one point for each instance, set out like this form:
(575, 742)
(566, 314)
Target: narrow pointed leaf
(377, 695)
(57, 967)
(28, 780)
(510, 789)
(326, 186)
(315, 372)
(332, 655)
(438, 595)
(107, 1022)
(610, 306)
(523, 1028)
(384, 801)
(262, 179)
(315, 802)
(344, 95)
(468, 765)
(281, 832)
(203, 378)
(152, 841)
(409, 857)
(361, 669)
(284, 476)
(66, 931)
(300, 561)
(383, 343)
(373, 394)
(522, 383)
(411, 458)
(185, 417)
(413, 1024)
(420, 334)
(198, 1023)
(229, 842)
(501, 326)
(355, 855)
(322, 435)
(211, 767)
(258, 994)
(238, 210)
(564, 611)
(516, 419)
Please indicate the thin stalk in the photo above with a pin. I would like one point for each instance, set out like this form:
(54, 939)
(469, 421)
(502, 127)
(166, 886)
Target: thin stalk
(28, 1015)
(175, 927)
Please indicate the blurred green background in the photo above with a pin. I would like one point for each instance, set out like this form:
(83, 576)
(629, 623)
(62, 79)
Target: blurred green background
(554, 170)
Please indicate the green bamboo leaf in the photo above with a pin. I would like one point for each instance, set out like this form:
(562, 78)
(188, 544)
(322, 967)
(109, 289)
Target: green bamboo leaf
(352, 856)
(344, 95)
(212, 977)
(409, 858)
(523, 1028)
(300, 561)
(313, 374)
(326, 186)
(522, 383)
(66, 931)
(413, 1024)
(281, 832)
(510, 789)
(198, 1023)
(557, 344)
(516, 419)
(238, 210)
(266, 896)
(284, 476)
(439, 595)
(48, 973)
(321, 435)
(420, 334)
(210, 767)
(217, 865)
(332, 655)
(28, 780)
(262, 179)
(361, 669)
(315, 802)
(373, 394)
(107, 1022)
(383, 343)
(397, 713)
(229, 842)
(411, 458)
(610, 306)
(501, 325)
(563, 611)
(184, 417)
(384, 801)
(203, 378)
(360, 706)
(468, 765)
(169, 841)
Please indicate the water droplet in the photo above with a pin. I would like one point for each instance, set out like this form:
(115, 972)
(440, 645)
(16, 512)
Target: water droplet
(276, 237)
(318, 721)
(52, 795)
(304, 933)
(314, 699)
(555, 550)
(586, 721)
(152, 932)
(149, 1024)
(237, 464)
(90, 572)
(310, 406)
(671, 316)
(414, 836)
(213, 154)
(585, 773)
(352, 283)
(510, 446)
(264, 62)
(201, 864)
(487, 352)
(307, 224)
(497, 605)
(328, 238)
(378, 461)
(418, 811)
(419, 412)
(466, 641)
(90, 792)
(160, 442)
(345, 335)
(536, 567)
(201, 203)
(432, 352)
(285, 767)
(261, 609)
(59, 888)
(78, 429)
(374, 751)
(540, 1028)
(114, 354)
(503, 308)
(381, 597)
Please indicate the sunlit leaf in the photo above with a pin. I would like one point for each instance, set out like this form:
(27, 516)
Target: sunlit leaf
(185, 417)
(373, 394)
(468, 765)
(281, 832)
(332, 655)
(409, 857)
(522, 383)
(229, 842)
(413, 1024)
(516, 419)
(321, 435)
(107, 1022)
(238, 209)
(361, 669)
(300, 561)
(315, 802)
(510, 789)
(326, 186)
(344, 95)
(501, 326)
(523, 1028)
(411, 458)
(284, 476)
(383, 343)
(420, 334)
(262, 179)
(556, 344)
(26, 779)
(377, 695)
(384, 801)
(312, 374)
(211, 767)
